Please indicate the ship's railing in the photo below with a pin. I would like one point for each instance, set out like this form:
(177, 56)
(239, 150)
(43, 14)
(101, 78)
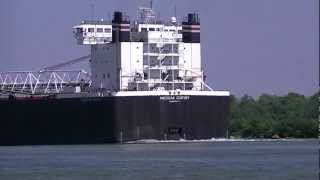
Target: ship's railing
(194, 81)
(44, 82)
(97, 22)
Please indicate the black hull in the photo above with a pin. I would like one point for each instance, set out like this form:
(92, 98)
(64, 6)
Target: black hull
(93, 120)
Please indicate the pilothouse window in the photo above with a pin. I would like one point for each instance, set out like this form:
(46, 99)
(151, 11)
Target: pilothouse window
(99, 30)
(107, 30)
(79, 30)
(90, 29)
(143, 29)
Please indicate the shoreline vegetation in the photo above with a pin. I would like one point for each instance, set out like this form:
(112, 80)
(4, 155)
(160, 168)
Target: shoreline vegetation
(271, 116)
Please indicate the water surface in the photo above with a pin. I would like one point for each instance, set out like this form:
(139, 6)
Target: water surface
(261, 160)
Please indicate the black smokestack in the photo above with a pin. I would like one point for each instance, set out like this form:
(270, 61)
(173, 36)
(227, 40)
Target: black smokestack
(117, 17)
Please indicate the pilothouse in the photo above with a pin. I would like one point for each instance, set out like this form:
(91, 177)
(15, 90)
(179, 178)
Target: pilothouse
(145, 55)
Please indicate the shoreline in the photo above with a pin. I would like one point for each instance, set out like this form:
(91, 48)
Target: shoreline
(212, 140)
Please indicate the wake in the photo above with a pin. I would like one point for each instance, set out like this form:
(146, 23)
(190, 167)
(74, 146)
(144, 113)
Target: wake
(153, 141)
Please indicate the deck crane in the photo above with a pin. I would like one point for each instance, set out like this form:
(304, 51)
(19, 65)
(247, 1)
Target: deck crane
(48, 80)
(64, 64)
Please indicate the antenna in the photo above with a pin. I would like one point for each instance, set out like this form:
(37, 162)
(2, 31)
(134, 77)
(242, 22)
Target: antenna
(92, 9)
(109, 16)
(175, 11)
(151, 3)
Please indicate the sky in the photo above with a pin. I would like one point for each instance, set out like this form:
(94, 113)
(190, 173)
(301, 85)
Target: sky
(248, 46)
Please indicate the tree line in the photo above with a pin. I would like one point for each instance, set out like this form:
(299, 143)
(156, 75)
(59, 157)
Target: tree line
(270, 116)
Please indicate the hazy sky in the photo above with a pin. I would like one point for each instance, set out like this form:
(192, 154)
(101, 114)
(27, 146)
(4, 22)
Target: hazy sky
(248, 46)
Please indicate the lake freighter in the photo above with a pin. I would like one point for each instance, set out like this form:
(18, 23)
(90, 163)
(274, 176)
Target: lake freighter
(146, 82)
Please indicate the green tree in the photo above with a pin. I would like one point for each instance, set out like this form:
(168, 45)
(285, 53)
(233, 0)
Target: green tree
(292, 115)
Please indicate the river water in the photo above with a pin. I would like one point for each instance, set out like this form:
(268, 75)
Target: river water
(258, 160)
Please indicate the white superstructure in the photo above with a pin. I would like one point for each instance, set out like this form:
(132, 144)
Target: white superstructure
(93, 32)
(145, 55)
